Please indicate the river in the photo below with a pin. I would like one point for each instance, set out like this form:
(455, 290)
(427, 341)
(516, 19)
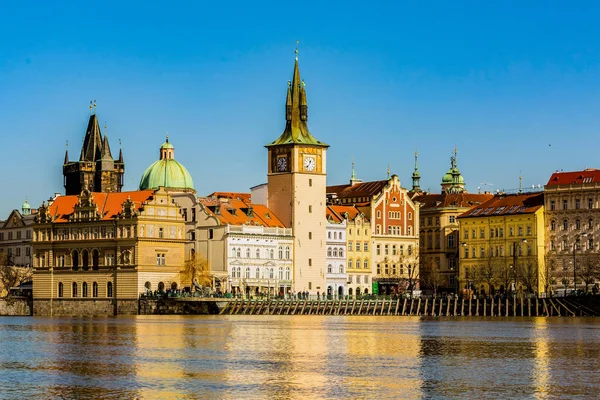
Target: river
(298, 357)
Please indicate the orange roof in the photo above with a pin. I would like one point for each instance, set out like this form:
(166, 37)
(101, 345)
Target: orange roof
(237, 212)
(363, 189)
(245, 197)
(575, 177)
(443, 200)
(507, 204)
(109, 204)
(338, 212)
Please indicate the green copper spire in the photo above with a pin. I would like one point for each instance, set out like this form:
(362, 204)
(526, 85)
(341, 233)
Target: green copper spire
(296, 113)
(416, 176)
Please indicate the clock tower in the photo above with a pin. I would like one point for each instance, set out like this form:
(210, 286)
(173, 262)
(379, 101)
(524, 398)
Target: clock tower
(296, 188)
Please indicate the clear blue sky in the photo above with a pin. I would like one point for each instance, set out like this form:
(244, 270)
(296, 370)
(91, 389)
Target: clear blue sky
(514, 85)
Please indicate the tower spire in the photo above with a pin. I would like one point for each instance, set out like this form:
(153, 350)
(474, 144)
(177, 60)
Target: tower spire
(296, 112)
(67, 153)
(520, 184)
(416, 176)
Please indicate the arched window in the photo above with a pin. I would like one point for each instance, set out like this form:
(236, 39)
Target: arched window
(109, 291)
(553, 225)
(287, 274)
(257, 253)
(161, 286)
(328, 235)
(247, 253)
(565, 224)
(350, 264)
(147, 285)
(329, 252)
(591, 223)
(85, 259)
(95, 257)
(401, 269)
(366, 264)
(341, 252)
(329, 269)
(357, 264)
(350, 292)
(378, 214)
(335, 252)
(247, 272)
(272, 273)
(280, 252)
(341, 269)
(378, 229)
(271, 254)
(335, 235)
(341, 235)
(60, 289)
(408, 231)
(409, 216)
(84, 290)
(577, 223)
(75, 260)
(238, 252)
(257, 273)
(233, 252)
(287, 252)
(74, 292)
(280, 273)
(366, 291)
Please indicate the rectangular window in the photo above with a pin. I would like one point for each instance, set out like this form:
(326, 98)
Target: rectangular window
(160, 259)
(161, 232)
(193, 214)
(552, 205)
(452, 219)
(18, 252)
(378, 249)
(2, 236)
(466, 234)
(511, 231)
(10, 235)
(577, 204)
(28, 234)
(309, 285)
(429, 221)
(310, 209)
(309, 235)
(27, 251)
(437, 221)
(366, 246)
(565, 204)
(501, 233)
(349, 278)
(466, 252)
(482, 252)
(482, 234)
(387, 249)
(193, 235)
(590, 203)
(19, 235)
(350, 246)
(451, 240)
(528, 230)
(211, 234)
(520, 230)
(310, 182)
(473, 234)
(310, 262)
(184, 213)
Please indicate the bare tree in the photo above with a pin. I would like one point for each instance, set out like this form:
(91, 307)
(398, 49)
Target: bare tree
(431, 276)
(196, 269)
(588, 268)
(527, 273)
(488, 273)
(12, 275)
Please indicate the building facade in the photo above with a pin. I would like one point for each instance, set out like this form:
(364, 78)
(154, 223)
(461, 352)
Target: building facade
(296, 182)
(502, 245)
(94, 253)
(96, 170)
(572, 218)
(394, 235)
(336, 277)
(249, 250)
(16, 234)
(439, 230)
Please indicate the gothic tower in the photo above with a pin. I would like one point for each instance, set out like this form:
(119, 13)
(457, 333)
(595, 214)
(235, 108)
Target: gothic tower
(296, 182)
(96, 169)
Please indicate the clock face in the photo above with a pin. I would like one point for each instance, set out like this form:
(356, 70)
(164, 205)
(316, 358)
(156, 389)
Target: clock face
(309, 163)
(282, 164)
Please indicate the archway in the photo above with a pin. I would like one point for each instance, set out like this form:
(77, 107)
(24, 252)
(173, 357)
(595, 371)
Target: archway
(85, 259)
(340, 292)
(75, 260)
(350, 292)
(161, 287)
(95, 258)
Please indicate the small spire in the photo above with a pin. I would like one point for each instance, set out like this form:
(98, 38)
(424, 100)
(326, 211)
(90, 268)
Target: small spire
(416, 163)
(90, 108)
(296, 51)
(416, 177)
(120, 152)
(388, 171)
(167, 137)
(353, 177)
(67, 153)
(520, 184)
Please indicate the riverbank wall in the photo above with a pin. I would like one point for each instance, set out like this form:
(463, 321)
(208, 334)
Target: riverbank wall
(15, 306)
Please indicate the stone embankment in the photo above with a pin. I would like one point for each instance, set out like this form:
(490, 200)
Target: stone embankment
(449, 307)
(15, 306)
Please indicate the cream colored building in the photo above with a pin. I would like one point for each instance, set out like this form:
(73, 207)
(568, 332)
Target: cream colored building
(95, 253)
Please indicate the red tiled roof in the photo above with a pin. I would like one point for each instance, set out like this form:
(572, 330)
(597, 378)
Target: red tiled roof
(363, 189)
(236, 212)
(245, 197)
(338, 212)
(575, 177)
(109, 204)
(507, 204)
(451, 200)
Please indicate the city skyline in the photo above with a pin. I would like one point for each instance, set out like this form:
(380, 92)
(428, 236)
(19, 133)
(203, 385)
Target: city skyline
(375, 96)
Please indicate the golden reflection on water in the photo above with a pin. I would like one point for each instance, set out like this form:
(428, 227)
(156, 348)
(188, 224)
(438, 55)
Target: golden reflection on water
(541, 365)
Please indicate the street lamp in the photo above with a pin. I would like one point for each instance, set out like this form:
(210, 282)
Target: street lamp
(577, 240)
(515, 263)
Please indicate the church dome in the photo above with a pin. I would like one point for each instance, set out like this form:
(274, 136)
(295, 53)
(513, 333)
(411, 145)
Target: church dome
(166, 172)
(447, 178)
(26, 208)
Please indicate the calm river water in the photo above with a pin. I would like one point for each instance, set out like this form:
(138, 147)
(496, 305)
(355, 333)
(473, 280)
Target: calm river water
(298, 357)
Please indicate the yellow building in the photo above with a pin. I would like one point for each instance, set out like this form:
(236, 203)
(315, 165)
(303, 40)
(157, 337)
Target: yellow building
(502, 245)
(358, 249)
(93, 254)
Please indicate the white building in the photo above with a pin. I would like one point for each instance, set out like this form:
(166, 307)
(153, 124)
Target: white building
(335, 276)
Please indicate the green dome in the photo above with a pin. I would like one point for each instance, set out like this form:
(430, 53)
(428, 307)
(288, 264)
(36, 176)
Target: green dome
(26, 206)
(167, 173)
(166, 145)
(447, 178)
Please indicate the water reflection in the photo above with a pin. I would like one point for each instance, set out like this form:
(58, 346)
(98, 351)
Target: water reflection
(297, 357)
